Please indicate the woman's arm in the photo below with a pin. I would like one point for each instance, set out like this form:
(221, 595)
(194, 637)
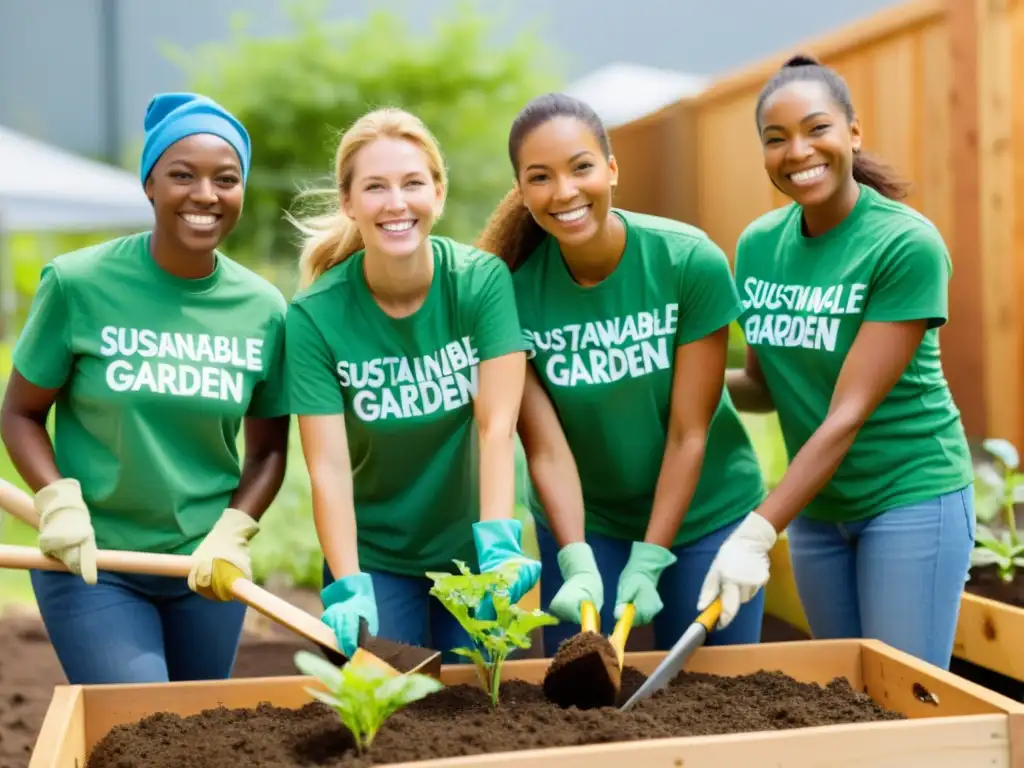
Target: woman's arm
(551, 464)
(696, 393)
(877, 359)
(496, 409)
(266, 458)
(23, 430)
(325, 448)
(747, 387)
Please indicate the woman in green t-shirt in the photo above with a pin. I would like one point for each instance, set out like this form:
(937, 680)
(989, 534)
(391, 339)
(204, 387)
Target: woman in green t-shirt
(405, 368)
(155, 349)
(640, 464)
(843, 292)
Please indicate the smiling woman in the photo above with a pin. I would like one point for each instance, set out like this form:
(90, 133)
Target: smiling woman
(405, 369)
(639, 462)
(156, 349)
(844, 291)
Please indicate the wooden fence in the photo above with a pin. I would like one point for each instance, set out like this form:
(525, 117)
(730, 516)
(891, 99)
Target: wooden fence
(934, 87)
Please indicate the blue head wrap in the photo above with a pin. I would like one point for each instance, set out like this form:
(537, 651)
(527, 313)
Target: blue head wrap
(171, 117)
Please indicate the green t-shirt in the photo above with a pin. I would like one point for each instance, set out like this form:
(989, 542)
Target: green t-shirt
(606, 356)
(156, 373)
(804, 301)
(406, 387)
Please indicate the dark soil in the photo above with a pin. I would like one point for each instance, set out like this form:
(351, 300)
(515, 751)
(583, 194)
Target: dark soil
(459, 721)
(583, 673)
(985, 582)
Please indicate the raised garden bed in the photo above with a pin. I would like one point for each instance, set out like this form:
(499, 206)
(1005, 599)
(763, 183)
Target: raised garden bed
(934, 719)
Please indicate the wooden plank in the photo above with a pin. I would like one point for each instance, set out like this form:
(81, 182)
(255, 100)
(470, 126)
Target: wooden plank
(989, 633)
(1003, 312)
(870, 31)
(61, 740)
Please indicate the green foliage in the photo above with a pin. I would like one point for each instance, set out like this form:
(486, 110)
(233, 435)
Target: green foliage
(363, 695)
(287, 546)
(493, 639)
(296, 94)
(1002, 548)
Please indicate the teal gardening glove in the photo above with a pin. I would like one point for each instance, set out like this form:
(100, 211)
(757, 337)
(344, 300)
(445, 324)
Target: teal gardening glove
(581, 581)
(638, 583)
(346, 601)
(498, 543)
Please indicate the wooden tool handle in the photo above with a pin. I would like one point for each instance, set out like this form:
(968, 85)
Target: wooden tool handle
(710, 616)
(621, 632)
(590, 619)
(18, 503)
(12, 556)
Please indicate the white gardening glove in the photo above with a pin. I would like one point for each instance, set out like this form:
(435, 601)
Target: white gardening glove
(228, 540)
(740, 568)
(65, 527)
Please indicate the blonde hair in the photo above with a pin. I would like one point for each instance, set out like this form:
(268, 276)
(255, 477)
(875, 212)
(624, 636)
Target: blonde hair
(332, 237)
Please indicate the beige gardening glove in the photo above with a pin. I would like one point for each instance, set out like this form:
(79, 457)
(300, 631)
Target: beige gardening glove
(65, 527)
(228, 540)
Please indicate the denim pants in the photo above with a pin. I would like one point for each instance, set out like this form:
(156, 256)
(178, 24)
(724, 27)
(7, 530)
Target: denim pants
(896, 577)
(135, 628)
(678, 587)
(408, 613)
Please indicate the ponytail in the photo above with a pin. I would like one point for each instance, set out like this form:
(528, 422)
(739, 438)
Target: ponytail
(875, 173)
(329, 240)
(512, 233)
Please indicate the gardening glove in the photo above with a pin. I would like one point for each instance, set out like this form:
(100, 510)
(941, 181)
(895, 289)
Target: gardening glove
(346, 601)
(740, 568)
(65, 527)
(638, 583)
(582, 581)
(228, 540)
(498, 544)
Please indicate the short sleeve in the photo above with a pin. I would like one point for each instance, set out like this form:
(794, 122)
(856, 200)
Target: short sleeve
(43, 353)
(708, 298)
(911, 281)
(269, 399)
(311, 384)
(496, 328)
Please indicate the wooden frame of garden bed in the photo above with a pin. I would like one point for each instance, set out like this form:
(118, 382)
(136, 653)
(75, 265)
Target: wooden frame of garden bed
(988, 633)
(953, 723)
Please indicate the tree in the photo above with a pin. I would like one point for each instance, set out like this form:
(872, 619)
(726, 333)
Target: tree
(297, 94)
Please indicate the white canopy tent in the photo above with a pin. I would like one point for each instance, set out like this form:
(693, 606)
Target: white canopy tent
(46, 189)
(621, 93)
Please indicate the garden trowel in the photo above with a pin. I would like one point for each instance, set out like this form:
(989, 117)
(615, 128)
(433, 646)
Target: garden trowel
(392, 657)
(692, 639)
(586, 671)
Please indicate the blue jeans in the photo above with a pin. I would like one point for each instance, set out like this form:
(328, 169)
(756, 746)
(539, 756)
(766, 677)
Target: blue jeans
(134, 628)
(896, 577)
(408, 613)
(678, 587)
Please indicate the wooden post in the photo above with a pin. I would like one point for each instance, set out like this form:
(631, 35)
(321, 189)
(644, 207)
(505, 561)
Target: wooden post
(965, 332)
(1002, 339)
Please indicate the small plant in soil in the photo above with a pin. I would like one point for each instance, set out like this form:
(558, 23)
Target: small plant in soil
(1004, 549)
(494, 639)
(362, 695)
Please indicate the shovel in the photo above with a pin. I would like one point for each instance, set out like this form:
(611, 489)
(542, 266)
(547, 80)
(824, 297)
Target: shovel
(692, 639)
(372, 651)
(586, 671)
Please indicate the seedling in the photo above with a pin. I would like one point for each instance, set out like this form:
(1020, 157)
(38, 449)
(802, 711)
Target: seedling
(363, 695)
(493, 639)
(1005, 549)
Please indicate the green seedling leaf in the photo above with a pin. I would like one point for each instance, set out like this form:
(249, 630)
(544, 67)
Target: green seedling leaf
(493, 639)
(363, 697)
